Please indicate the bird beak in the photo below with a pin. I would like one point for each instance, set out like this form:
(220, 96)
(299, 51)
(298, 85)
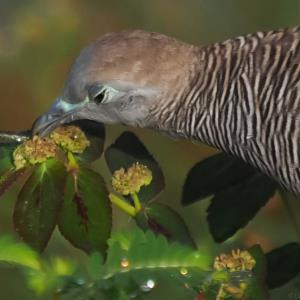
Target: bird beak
(60, 112)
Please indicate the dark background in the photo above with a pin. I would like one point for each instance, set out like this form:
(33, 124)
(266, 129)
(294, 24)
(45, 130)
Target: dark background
(40, 39)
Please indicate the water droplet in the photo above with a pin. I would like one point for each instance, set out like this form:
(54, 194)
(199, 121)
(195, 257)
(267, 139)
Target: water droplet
(124, 263)
(80, 281)
(133, 295)
(148, 286)
(187, 286)
(19, 139)
(183, 271)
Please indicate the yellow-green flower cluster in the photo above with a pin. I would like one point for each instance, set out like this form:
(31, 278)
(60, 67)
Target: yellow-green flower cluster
(70, 138)
(131, 181)
(33, 151)
(38, 149)
(236, 261)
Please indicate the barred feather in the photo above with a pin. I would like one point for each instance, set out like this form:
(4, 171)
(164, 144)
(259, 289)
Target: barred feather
(244, 98)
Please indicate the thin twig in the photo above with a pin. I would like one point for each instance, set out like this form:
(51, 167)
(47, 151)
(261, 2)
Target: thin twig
(8, 137)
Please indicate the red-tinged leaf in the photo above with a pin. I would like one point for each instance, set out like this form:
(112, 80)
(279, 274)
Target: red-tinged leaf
(163, 220)
(201, 296)
(8, 174)
(85, 218)
(8, 178)
(38, 204)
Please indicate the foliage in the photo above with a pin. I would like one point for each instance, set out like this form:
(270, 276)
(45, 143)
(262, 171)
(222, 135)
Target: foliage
(128, 267)
(64, 190)
(237, 192)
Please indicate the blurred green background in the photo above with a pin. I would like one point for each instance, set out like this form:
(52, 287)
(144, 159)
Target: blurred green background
(40, 39)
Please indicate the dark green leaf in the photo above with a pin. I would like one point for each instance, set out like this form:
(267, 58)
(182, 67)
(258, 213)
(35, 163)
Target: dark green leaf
(127, 150)
(85, 218)
(6, 162)
(162, 219)
(257, 288)
(38, 203)
(213, 175)
(233, 208)
(283, 264)
(260, 262)
(95, 133)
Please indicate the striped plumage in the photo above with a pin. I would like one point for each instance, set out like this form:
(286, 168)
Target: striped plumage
(244, 98)
(241, 95)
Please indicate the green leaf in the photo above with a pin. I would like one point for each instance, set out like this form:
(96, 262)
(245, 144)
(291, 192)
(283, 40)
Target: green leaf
(147, 251)
(233, 208)
(85, 218)
(162, 219)
(283, 264)
(8, 174)
(38, 204)
(95, 265)
(95, 133)
(256, 291)
(18, 253)
(127, 150)
(213, 175)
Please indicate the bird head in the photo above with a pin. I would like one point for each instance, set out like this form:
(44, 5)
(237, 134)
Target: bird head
(121, 78)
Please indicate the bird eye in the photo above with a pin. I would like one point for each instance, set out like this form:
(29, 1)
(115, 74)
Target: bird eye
(100, 94)
(97, 93)
(100, 97)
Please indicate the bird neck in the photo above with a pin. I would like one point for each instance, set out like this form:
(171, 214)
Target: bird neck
(203, 111)
(215, 106)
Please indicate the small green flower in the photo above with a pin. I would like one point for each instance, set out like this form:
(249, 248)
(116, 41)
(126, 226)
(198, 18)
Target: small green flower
(34, 151)
(70, 138)
(131, 181)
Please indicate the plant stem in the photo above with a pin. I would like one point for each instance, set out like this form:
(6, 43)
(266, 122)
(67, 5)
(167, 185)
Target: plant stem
(72, 163)
(287, 201)
(56, 296)
(119, 202)
(136, 201)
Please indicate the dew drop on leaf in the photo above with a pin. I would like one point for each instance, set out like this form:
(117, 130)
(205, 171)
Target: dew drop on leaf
(80, 281)
(148, 285)
(124, 263)
(183, 271)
